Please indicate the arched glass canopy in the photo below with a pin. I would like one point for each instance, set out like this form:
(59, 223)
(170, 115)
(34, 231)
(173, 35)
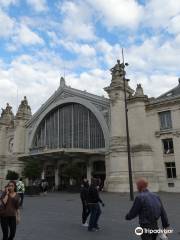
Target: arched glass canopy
(69, 126)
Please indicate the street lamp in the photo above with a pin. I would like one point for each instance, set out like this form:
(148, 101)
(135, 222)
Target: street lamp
(127, 132)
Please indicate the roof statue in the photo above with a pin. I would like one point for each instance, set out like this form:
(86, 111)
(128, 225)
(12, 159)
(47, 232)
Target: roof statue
(62, 82)
(7, 115)
(139, 91)
(118, 71)
(24, 110)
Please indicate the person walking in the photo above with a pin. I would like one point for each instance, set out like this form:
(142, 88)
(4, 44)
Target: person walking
(93, 202)
(20, 191)
(84, 200)
(44, 186)
(149, 208)
(11, 214)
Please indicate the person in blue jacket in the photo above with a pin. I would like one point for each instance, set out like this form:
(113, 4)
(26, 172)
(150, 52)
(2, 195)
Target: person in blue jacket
(149, 208)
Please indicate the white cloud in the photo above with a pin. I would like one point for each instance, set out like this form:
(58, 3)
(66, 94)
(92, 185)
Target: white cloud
(26, 36)
(7, 3)
(174, 25)
(38, 5)
(34, 76)
(154, 85)
(77, 23)
(92, 81)
(7, 24)
(118, 13)
(83, 49)
(158, 13)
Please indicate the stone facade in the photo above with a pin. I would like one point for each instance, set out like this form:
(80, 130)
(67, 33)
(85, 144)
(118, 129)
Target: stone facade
(154, 129)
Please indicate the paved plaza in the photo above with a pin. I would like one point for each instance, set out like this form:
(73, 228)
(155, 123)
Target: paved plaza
(57, 216)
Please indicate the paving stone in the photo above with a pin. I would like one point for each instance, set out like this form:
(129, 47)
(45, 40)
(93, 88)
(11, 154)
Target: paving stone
(57, 216)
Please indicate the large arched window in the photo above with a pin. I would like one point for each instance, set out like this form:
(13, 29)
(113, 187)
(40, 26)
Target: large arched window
(69, 126)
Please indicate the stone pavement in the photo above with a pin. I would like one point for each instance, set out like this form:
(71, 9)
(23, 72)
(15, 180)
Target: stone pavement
(57, 216)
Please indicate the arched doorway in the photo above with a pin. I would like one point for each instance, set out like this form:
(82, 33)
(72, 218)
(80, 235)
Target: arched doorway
(71, 174)
(99, 172)
(50, 176)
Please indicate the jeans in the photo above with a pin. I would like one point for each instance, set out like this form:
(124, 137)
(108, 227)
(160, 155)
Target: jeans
(95, 212)
(85, 212)
(152, 226)
(8, 225)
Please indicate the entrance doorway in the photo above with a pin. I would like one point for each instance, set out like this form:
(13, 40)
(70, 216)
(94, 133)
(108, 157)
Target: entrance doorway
(50, 176)
(71, 174)
(99, 172)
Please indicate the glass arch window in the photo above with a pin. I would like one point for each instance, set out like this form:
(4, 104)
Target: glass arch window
(69, 126)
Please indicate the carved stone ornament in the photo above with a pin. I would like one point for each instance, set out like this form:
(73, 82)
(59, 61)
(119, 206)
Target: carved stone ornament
(24, 110)
(7, 115)
(139, 91)
(11, 143)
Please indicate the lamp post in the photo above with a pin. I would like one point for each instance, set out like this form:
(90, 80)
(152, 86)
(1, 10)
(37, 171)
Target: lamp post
(127, 133)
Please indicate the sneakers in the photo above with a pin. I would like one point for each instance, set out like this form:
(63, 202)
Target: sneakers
(94, 229)
(91, 229)
(85, 224)
(97, 228)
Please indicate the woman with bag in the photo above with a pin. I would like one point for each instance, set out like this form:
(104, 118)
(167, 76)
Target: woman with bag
(10, 216)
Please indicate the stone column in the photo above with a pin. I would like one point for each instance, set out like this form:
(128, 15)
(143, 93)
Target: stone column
(142, 158)
(2, 140)
(56, 177)
(43, 173)
(89, 170)
(117, 158)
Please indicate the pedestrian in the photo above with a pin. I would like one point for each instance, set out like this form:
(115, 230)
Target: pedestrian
(11, 214)
(20, 191)
(149, 208)
(84, 200)
(93, 202)
(44, 186)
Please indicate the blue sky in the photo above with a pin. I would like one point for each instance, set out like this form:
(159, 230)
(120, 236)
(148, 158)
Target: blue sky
(41, 40)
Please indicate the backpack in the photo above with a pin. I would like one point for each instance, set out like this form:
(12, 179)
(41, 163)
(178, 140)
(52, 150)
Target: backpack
(152, 203)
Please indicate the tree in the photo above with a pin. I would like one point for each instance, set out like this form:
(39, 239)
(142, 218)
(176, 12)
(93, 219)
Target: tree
(12, 175)
(32, 170)
(74, 171)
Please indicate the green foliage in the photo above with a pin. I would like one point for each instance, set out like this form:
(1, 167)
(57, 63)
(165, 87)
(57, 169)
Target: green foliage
(32, 170)
(72, 171)
(12, 175)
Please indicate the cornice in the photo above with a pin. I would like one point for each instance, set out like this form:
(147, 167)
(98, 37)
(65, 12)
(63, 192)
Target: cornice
(157, 103)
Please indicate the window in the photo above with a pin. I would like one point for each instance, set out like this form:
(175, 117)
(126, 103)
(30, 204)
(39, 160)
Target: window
(69, 126)
(168, 146)
(165, 120)
(170, 169)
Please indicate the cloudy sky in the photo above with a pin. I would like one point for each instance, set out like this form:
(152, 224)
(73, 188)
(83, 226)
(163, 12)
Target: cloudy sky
(41, 40)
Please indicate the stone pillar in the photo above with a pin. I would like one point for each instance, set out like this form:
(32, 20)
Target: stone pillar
(19, 137)
(141, 151)
(43, 174)
(56, 178)
(117, 159)
(22, 116)
(2, 140)
(89, 170)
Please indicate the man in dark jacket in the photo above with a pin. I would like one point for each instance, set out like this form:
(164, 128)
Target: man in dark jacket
(93, 202)
(149, 208)
(84, 200)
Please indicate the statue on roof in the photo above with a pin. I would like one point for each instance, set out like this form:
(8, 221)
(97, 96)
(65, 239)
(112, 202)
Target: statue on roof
(118, 69)
(62, 82)
(24, 110)
(7, 115)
